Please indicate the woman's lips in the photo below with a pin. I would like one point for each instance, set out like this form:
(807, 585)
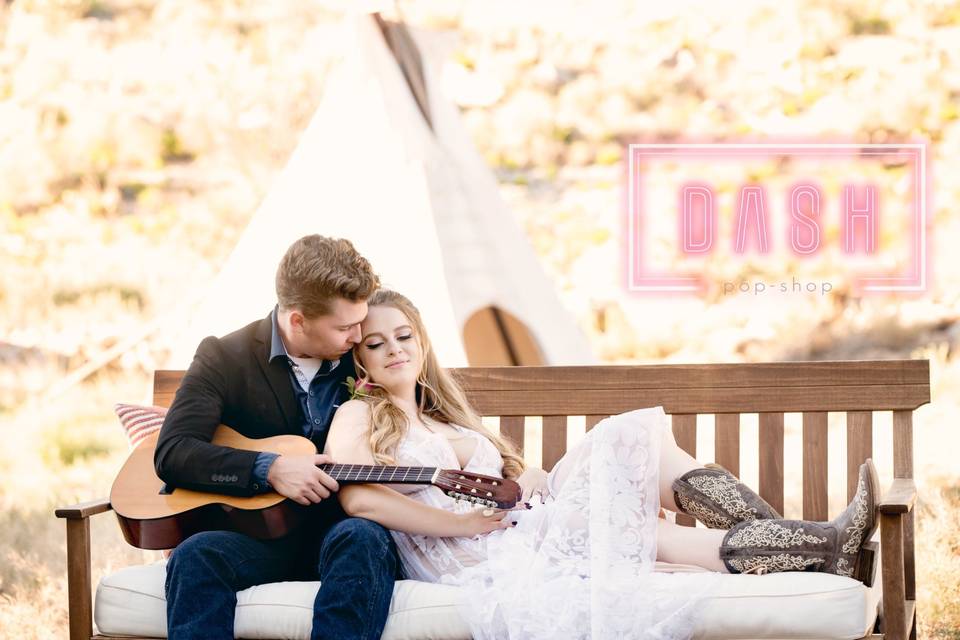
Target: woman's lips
(397, 364)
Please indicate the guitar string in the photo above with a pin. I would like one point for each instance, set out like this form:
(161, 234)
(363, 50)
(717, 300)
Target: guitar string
(358, 473)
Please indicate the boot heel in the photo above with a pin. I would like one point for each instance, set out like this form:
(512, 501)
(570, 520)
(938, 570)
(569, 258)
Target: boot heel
(866, 571)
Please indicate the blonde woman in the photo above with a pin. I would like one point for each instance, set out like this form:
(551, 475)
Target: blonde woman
(577, 560)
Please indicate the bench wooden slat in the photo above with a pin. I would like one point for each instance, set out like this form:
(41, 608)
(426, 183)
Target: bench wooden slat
(903, 468)
(511, 427)
(693, 376)
(859, 446)
(554, 440)
(712, 388)
(771, 459)
(903, 444)
(727, 441)
(593, 420)
(707, 400)
(685, 433)
(815, 505)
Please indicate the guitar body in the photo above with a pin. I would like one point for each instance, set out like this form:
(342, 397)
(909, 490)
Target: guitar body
(152, 518)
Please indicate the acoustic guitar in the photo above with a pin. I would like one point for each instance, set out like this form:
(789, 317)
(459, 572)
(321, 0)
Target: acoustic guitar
(153, 515)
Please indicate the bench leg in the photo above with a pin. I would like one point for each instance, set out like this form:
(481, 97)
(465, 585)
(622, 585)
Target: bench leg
(899, 613)
(78, 579)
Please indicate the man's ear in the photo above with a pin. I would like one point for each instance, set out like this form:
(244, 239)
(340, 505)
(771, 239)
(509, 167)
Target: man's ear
(296, 320)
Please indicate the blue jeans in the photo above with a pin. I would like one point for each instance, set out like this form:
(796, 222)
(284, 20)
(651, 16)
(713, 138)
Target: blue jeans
(357, 566)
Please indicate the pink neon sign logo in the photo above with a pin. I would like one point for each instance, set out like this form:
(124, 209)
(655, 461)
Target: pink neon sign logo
(750, 232)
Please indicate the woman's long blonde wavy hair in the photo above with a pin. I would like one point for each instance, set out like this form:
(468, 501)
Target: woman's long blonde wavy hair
(438, 396)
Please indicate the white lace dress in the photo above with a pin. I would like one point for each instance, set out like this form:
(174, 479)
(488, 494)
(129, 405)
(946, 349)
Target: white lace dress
(578, 565)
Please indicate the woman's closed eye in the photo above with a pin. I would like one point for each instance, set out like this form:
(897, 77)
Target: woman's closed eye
(374, 345)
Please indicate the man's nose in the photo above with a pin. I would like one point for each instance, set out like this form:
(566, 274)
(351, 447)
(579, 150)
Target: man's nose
(355, 335)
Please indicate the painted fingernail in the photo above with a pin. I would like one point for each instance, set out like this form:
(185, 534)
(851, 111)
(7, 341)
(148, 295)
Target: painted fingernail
(529, 506)
(514, 523)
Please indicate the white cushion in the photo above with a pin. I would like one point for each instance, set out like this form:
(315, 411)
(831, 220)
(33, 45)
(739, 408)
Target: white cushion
(783, 605)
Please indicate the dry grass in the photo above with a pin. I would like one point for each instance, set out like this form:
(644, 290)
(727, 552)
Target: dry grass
(55, 455)
(938, 560)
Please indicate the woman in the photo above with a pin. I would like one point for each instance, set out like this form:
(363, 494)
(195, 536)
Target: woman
(578, 562)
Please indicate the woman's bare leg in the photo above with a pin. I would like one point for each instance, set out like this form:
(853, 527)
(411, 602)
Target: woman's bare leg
(690, 545)
(674, 462)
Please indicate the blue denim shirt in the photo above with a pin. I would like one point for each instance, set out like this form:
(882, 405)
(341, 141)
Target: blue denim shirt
(327, 390)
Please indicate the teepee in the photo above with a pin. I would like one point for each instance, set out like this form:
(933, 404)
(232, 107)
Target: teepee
(386, 163)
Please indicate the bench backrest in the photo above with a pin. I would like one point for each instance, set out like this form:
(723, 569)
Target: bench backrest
(854, 388)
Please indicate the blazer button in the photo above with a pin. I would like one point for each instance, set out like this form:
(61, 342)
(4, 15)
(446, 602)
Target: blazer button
(256, 487)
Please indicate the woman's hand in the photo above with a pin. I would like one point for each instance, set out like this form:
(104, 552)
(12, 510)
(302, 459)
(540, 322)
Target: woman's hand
(482, 521)
(532, 481)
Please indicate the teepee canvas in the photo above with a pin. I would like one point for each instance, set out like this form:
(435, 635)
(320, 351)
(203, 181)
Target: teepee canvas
(386, 163)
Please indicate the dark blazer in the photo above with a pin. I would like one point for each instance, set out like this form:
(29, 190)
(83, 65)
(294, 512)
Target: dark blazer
(230, 381)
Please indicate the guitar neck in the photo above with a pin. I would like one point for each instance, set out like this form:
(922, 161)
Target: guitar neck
(370, 473)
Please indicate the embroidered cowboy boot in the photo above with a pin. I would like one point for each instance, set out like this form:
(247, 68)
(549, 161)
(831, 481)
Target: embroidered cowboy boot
(715, 497)
(767, 546)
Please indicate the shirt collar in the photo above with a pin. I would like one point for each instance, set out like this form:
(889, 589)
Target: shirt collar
(278, 349)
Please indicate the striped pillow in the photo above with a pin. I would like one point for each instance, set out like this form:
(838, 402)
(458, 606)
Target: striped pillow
(139, 421)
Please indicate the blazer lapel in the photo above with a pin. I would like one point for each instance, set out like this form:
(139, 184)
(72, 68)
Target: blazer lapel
(277, 377)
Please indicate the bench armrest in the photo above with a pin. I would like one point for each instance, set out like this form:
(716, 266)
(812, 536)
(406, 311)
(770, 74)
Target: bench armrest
(83, 510)
(899, 498)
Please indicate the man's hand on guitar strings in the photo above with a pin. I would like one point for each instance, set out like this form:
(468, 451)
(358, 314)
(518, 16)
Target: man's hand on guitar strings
(298, 478)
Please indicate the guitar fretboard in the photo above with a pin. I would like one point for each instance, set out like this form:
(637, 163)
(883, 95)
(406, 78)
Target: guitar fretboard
(378, 473)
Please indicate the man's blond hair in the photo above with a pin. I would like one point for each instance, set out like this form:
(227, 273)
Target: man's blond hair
(316, 270)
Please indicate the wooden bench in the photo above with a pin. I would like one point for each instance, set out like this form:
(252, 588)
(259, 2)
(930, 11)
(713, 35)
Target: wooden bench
(856, 389)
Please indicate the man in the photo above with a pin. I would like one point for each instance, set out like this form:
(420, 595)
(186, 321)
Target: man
(282, 374)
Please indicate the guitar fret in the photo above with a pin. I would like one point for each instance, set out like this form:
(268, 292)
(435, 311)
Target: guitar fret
(379, 473)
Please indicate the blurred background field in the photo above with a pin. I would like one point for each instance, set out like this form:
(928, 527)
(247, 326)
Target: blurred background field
(138, 137)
